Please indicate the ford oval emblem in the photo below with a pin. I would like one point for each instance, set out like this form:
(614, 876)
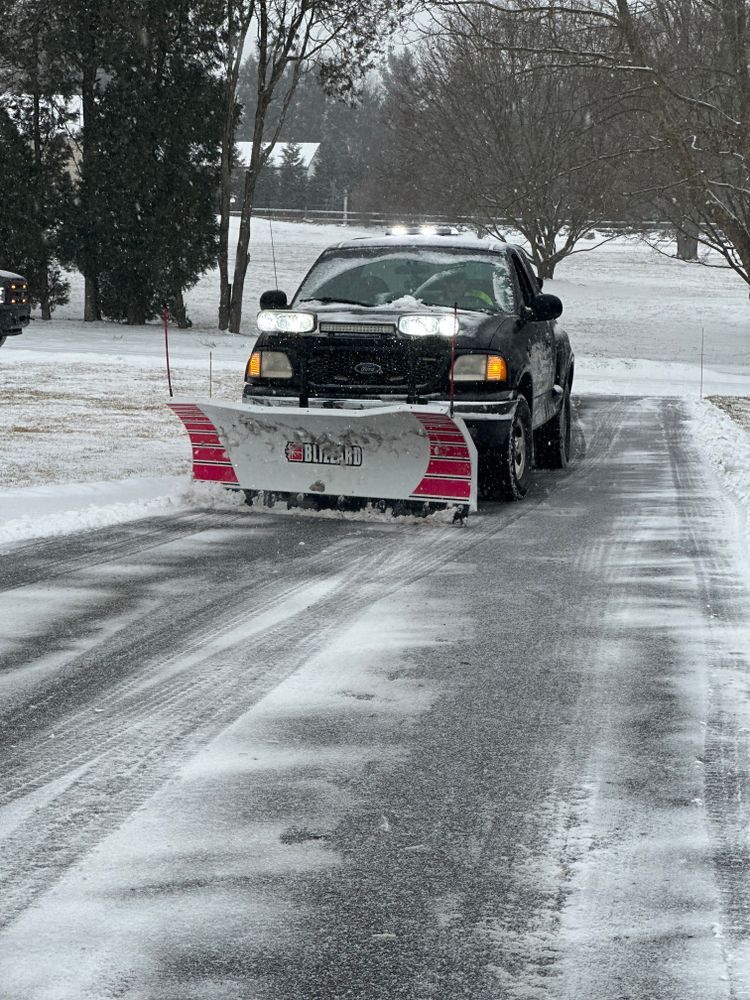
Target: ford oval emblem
(368, 368)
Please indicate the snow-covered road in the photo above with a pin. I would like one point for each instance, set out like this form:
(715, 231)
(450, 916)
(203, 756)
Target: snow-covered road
(257, 755)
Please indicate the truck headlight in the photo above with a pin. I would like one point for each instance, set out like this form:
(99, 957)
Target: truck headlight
(429, 325)
(480, 368)
(268, 364)
(278, 321)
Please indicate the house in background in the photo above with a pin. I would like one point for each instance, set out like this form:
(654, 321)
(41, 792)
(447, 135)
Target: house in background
(288, 179)
(307, 153)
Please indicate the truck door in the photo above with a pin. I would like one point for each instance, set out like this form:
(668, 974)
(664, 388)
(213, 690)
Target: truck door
(538, 342)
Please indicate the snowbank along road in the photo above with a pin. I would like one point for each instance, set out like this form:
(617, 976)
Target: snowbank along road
(249, 754)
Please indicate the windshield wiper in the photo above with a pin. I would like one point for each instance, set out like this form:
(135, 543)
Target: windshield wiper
(327, 300)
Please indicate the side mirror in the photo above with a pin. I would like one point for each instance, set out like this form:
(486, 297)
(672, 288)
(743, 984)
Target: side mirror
(275, 299)
(546, 307)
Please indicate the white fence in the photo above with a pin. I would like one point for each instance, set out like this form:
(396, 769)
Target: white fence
(381, 220)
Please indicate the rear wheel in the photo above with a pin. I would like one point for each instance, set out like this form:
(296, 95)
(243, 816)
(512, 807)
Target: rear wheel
(552, 440)
(504, 471)
(2, 340)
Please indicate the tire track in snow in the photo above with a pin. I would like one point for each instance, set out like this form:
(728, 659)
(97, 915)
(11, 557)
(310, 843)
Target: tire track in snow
(146, 726)
(152, 724)
(42, 560)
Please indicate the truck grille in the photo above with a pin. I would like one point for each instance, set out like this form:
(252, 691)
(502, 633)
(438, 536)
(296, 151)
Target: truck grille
(372, 369)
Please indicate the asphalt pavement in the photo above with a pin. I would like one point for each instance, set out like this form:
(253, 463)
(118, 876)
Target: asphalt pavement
(271, 756)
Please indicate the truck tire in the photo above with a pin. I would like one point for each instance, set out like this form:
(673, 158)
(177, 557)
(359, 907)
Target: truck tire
(504, 471)
(2, 340)
(552, 440)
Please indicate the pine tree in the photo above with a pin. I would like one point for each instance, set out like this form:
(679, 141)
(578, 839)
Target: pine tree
(153, 159)
(34, 152)
(292, 178)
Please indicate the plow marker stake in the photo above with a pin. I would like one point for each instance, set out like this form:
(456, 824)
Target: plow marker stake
(399, 452)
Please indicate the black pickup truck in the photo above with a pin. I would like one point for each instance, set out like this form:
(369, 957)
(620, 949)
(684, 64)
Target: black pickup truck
(391, 319)
(15, 307)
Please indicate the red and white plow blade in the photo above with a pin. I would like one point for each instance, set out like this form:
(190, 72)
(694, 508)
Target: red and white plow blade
(397, 452)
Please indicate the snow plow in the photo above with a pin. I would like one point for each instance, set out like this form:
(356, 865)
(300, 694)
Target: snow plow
(414, 458)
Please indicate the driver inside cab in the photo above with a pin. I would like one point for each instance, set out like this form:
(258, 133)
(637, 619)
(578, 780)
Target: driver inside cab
(460, 287)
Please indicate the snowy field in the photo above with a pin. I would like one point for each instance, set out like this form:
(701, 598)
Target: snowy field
(87, 440)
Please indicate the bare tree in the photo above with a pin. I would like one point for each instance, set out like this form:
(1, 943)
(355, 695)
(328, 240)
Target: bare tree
(687, 60)
(340, 38)
(526, 143)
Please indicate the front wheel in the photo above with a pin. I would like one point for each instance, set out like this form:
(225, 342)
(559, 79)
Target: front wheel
(552, 440)
(505, 470)
(2, 340)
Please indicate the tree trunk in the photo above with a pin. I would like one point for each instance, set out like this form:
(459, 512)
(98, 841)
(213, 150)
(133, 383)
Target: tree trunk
(43, 261)
(88, 58)
(687, 241)
(91, 311)
(136, 314)
(243, 241)
(238, 23)
(545, 268)
(179, 311)
(240, 270)
(225, 205)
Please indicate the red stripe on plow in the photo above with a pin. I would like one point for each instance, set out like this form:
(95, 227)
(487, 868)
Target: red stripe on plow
(214, 473)
(198, 425)
(446, 467)
(206, 438)
(452, 437)
(211, 455)
(449, 451)
(444, 489)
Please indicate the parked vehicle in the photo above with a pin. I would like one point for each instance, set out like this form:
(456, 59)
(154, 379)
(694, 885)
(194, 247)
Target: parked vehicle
(15, 307)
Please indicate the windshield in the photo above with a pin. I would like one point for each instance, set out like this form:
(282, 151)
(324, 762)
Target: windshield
(405, 278)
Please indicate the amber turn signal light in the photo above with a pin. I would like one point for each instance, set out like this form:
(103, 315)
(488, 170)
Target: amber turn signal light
(497, 370)
(253, 366)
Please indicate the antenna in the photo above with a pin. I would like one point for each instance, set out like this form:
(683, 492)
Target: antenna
(273, 250)
(165, 317)
(453, 356)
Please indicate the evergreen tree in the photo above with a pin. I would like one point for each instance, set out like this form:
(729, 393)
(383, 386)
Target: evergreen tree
(16, 247)
(304, 118)
(84, 34)
(152, 160)
(267, 193)
(292, 178)
(349, 141)
(34, 152)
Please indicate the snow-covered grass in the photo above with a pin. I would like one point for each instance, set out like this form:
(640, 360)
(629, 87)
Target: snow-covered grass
(738, 408)
(83, 426)
(721, 428)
